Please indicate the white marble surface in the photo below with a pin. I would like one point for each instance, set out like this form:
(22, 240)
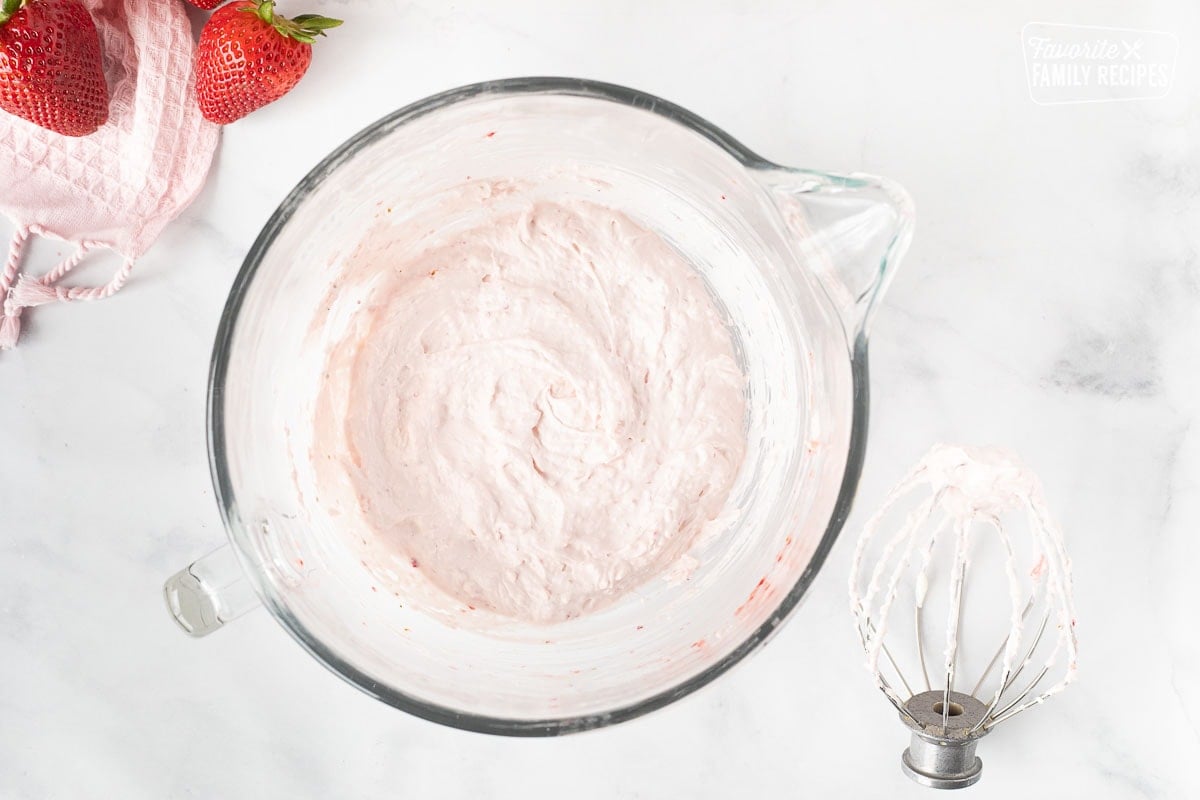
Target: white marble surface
(1050, 303)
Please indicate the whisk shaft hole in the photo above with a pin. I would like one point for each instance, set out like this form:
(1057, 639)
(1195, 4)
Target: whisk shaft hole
(955, 708)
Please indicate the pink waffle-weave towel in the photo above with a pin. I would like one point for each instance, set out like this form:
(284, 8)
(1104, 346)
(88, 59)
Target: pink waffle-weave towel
(118, 188)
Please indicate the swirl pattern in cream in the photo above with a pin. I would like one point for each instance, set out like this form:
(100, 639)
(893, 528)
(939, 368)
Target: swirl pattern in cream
(542, 412)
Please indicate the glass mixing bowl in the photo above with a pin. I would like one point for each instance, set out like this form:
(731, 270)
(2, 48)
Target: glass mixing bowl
(795, 261)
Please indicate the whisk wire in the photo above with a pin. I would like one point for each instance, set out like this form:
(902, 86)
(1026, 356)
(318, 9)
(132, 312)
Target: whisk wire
(1028, 654)
(894, 699)
(921, 590)
(1008, 681)
(868, 633)
(895, 667)
(917, 613)
(999, 652)
(1008, 712)
(956, 593)
(909, 535)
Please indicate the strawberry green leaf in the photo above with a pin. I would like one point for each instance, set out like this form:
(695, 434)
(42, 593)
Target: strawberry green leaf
(9, 8)
(315, 22)
(304, 28)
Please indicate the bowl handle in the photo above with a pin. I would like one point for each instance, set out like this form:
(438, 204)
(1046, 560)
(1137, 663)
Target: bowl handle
(851, 230)
(209, 592)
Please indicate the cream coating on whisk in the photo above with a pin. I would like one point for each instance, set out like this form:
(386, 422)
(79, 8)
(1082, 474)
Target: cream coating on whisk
(540, 413)
(966, 493)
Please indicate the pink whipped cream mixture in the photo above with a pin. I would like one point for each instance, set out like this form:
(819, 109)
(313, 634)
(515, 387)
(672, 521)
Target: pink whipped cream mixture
(539, 413)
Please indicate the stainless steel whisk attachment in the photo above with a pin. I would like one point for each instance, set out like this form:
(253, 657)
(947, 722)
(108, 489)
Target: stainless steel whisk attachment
(965, 538)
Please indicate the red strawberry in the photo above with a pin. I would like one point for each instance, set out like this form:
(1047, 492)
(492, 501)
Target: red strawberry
(207, 5)
(249, 57)
(51, 72)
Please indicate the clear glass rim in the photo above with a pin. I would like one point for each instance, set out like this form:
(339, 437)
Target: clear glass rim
(219, 467)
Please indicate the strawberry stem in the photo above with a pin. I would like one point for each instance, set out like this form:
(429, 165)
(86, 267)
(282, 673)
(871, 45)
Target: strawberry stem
(304, 28)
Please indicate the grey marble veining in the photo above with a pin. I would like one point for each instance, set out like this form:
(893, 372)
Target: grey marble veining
(1050, 303)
